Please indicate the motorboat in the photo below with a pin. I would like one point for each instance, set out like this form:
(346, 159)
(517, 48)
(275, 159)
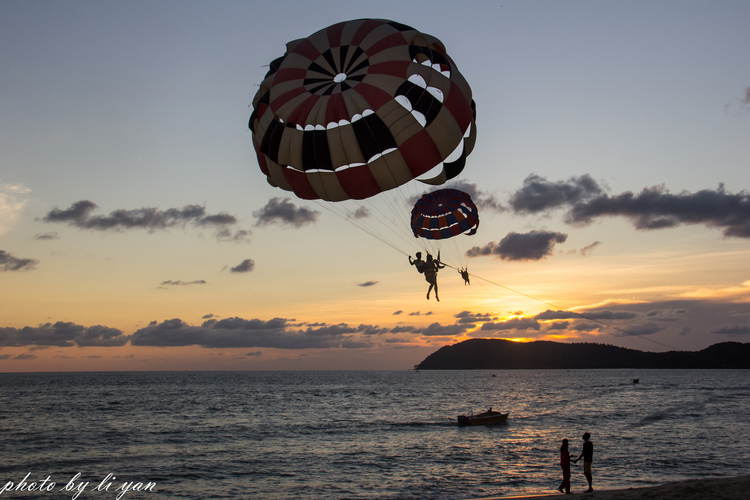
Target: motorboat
(489, 417)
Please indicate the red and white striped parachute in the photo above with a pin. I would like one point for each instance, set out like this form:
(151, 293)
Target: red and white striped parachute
(359, 108)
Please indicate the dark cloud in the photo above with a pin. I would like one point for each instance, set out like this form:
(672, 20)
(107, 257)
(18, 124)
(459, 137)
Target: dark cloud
(237, 236)
(52, 235)
(245, 266)
(657, 208)
(396, 313)
(673, 321)
(582, 326)
(62, 334)
(534, 245)
(466, 317)
(9, 262)
(237, 332)
(482, 199)
(549, 314)
(99, 335)
(733, 330)
(367, 284)
(404, 329)
(26, 356)
(637, 330)
(438, 330)
(182, 283)
(372, 330)
(653, 208)
(540, 195)
(360, 213)
(586, 251)
(80, 215)
(512, 324)
(283, 211)
(254, 354)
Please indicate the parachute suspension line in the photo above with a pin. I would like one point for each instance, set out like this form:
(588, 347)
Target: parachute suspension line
(369, 230)
(582, 316)
(397, 224)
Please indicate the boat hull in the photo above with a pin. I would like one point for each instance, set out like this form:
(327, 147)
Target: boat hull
(486, 418)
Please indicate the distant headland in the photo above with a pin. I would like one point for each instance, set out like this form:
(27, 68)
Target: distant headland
(500, 354)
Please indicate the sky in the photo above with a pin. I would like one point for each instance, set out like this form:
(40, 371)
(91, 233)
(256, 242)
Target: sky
(137, 231)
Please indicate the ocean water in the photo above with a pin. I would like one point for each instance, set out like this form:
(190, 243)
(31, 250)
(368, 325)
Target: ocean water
(362, 435)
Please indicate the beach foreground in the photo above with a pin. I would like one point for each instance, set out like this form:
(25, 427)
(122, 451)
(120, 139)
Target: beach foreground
(731, 488)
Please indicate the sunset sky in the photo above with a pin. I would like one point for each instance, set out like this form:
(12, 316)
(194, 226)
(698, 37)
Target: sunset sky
(137, 232)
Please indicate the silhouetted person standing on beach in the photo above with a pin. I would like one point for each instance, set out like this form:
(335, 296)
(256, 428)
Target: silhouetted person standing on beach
(588, 455)
(565, 464)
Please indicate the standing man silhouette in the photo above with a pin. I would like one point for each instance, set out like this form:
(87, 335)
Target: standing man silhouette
(588, 455)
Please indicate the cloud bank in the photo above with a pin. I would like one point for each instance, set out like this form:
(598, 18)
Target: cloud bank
(653, 208)
(80, 214)
(63, 334)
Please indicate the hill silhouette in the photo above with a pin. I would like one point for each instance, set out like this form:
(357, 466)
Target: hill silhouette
(500, 354)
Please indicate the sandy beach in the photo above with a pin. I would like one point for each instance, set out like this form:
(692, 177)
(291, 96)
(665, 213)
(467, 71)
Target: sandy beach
(731, 488)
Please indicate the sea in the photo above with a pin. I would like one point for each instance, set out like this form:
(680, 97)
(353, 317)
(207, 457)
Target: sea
(362, 434)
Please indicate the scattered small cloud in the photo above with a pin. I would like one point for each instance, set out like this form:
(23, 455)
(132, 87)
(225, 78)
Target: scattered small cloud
(744, 104)
(52, 235)
(12, 202)
(482, 199)
(245, 266)
(283, 211)
(534, 245)
(587, 250)
(182, 283)
(361, 212)
(367, 284)
(470, 318)
(9, 262)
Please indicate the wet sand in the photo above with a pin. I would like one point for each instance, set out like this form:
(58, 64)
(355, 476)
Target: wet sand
(731, 488)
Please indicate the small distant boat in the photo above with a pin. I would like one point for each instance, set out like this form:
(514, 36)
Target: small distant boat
(487, 418)
(635, 380)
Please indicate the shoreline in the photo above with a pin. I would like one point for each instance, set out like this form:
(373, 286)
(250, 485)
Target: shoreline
(723, 488)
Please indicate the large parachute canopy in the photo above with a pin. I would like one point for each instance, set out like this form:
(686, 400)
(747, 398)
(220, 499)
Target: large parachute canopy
(443, 214)
(359, 108)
